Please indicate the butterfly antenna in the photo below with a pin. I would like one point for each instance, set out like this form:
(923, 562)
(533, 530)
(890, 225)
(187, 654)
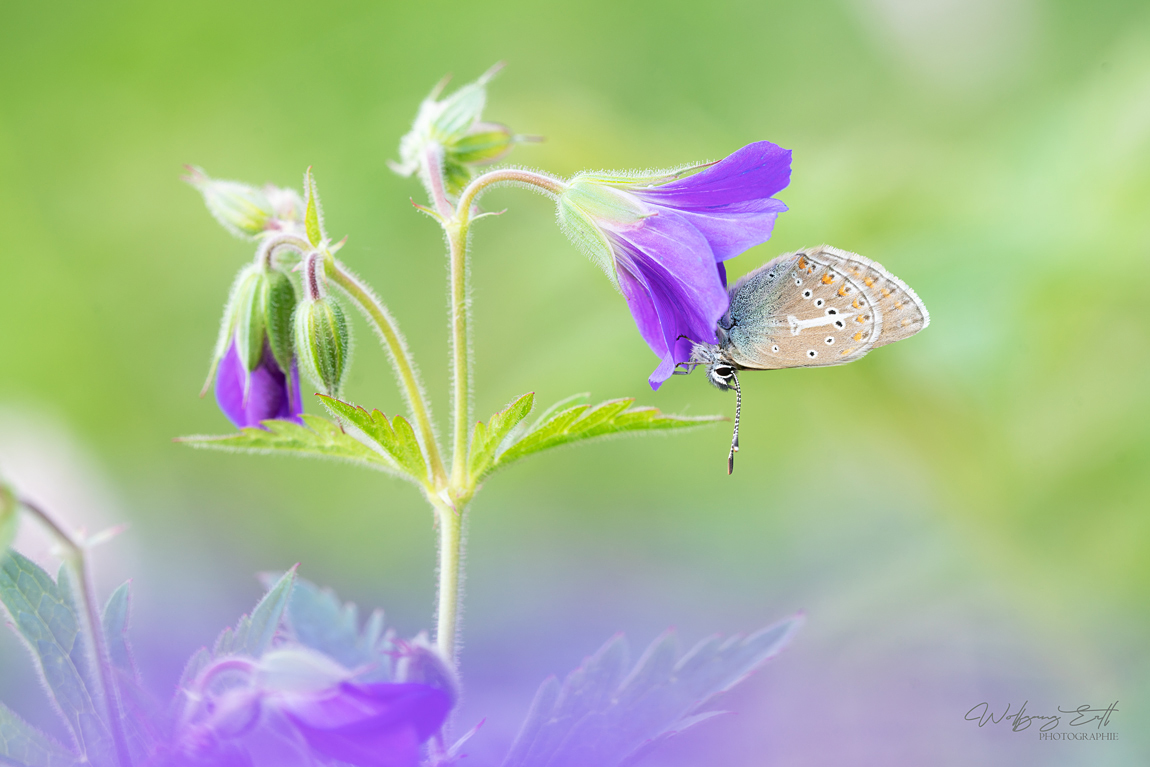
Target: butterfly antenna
(738, 412)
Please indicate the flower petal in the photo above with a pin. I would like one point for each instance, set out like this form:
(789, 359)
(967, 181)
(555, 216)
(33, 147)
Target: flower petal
(754, 172)
(732, 229)
(369, 725)
(668, 275)
(269, 392)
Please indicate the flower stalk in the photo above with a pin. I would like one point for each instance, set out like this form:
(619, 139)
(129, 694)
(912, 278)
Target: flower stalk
(74, 554)
(451, 517)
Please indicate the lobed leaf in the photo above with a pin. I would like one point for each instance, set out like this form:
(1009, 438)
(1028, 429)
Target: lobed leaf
(563, 425)
(487, 437)
(603, 717)
(22, 745)
(316, 618)
(46, 615)
(253, 633)
(396, 438)
(318, 437)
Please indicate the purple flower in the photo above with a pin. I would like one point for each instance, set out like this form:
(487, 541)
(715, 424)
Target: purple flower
(249, 398)
(368, 725)
(237, 703)
(663, 238)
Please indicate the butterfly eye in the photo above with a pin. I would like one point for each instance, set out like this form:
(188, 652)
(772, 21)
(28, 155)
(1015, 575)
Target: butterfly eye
(723, 371)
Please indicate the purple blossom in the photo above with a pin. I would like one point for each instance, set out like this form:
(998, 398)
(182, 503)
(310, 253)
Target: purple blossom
(249, 398)
(368, 725)
(305, 702)
(664, 238)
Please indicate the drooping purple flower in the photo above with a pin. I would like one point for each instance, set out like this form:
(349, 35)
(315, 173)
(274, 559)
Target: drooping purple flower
(267, 392)
(663, 238)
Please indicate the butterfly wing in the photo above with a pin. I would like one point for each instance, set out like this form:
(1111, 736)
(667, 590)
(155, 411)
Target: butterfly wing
(903, 312)
(814, 308)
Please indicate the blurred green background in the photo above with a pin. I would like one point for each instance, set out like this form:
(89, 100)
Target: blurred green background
(965, 516)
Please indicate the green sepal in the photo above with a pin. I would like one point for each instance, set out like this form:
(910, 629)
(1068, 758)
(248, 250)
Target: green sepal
(319, 437)
(279, 304)
(9, 517)
(22, 745)
(251, 318)
(322, 341)
(396, 438)
(228, 321)
(582, 422)
(586, 236)
(484, 143)
(487, 437)
(455, 176)
(312, 216)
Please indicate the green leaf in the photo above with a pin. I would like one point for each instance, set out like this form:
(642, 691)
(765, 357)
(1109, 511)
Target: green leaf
(396, 438)
(317, 619)
(319, 437)
(562, 425)
(46, 614)
(253, 634)
(311, 215)
(23, 745)
(487, 438)
(116, 630)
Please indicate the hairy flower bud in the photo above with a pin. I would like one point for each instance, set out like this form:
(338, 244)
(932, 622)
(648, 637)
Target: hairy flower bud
(322, 342)
(451, 129)
(247, 211)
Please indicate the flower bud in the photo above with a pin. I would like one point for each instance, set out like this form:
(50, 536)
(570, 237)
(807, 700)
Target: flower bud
(247, 211)
(322, 342)
(9, 512)
(243, 210)
(452, 128)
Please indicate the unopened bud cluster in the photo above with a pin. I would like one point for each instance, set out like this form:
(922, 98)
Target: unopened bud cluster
(271, 326)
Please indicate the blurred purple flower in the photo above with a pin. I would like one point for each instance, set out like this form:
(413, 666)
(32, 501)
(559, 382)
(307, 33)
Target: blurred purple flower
(663, 237)
(368, 725)
(268, 392)
(236, 701)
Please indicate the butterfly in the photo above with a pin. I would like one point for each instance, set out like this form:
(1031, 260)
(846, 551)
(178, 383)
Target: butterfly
(811, 308)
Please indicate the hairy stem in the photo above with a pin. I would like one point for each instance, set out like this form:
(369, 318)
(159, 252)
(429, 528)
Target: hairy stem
(78, 561)
(385, 325)
(450, 580)
(451, 516)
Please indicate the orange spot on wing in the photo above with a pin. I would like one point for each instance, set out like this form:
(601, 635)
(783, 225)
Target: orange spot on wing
(885, 292)
(842, 289)
(869, 281)
(905, 323)
(828, 278)
(845, 352)
(860, 318)
(856, 304)
(898, 304)
(802, 263)
(858, 336)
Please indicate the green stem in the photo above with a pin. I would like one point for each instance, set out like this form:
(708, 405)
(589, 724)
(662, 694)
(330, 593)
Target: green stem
(451, 517)
(76, 559)
(450, 579)
(385, 324)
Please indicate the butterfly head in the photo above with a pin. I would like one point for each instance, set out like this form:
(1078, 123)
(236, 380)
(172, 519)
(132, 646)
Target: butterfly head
(720, 369)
